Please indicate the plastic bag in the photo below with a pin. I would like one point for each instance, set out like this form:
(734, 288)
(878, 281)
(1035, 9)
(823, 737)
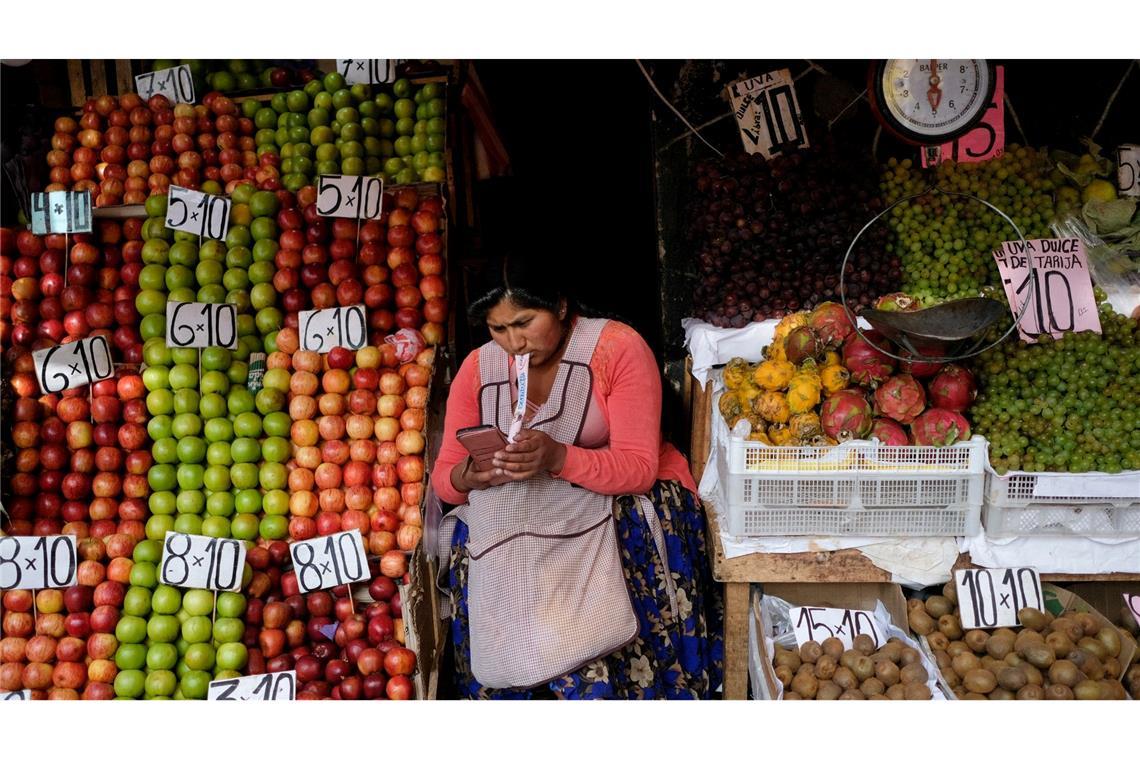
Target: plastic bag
(1113, 271)
(408, 343)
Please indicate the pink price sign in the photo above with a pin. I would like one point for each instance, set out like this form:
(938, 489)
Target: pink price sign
(1058, 285)
(986, 140)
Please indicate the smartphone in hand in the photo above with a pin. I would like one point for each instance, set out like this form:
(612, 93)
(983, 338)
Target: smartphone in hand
(482, 441)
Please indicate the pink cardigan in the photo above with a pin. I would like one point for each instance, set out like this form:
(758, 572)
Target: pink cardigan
(627, 390)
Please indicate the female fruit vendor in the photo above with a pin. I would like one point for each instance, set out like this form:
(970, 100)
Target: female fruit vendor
(577, 559)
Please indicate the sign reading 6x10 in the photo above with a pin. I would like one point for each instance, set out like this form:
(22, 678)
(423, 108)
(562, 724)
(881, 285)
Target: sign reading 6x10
(197, 213)
(80, 362)
(349, 197)
(325, 329)
(190, 324)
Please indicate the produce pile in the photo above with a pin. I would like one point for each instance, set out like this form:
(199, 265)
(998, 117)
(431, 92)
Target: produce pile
(1073, 656)
(946, 243)
(238, 74)
(769, 236)
(1065, 405)
(828, 670)
(821, 383)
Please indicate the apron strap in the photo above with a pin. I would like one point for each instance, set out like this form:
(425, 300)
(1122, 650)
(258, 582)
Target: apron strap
(650, 513)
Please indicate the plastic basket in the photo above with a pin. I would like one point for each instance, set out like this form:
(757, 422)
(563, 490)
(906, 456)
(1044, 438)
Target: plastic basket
(1093, 504)
(859, 488)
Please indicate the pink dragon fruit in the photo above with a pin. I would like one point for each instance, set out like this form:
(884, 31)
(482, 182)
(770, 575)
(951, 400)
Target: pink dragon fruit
(940, 427)
(921, 369)
(953, 388)
(889, 432)
(846, 415)
(867, 365)
(901, 398)
(802, 343)
(896, 302)
(831, 323)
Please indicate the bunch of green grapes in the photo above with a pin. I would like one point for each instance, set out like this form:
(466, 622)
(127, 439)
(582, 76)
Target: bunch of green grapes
(946, 242)
(1065, 405)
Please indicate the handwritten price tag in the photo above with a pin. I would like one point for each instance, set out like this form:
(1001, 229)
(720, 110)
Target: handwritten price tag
(1060, 287)
(23, 695)
(61, 211)
(329, 561)
(768, 113)
(270, 687)
(349, 197)
(325, 329)
(368, 70)
(819, 623)
(201, 562)
(74, 364)
(176, 83)
(1128, 170)
(37, 562)
(197, 213)
(1132, 602)
(983, 142)
(990, 598)
(199, 325)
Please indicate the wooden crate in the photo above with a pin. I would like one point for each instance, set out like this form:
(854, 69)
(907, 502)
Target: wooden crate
(92, 78)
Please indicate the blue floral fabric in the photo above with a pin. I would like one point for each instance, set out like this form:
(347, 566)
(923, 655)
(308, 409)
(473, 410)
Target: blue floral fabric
(680, 658)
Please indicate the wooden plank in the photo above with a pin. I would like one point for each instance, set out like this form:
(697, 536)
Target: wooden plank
(124, 77)
(98, 77)
(736, 640)
(700, 420)
(75, 77)
(965, 562)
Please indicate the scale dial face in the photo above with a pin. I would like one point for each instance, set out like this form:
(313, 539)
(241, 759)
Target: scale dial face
(931, 101)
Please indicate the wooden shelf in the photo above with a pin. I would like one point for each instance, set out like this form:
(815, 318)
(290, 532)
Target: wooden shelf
(132, 211)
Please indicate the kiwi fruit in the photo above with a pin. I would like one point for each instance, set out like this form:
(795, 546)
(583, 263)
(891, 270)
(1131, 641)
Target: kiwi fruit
(992, 665)
(950, 591)
(1087, 690)
(909, 656)
(878, 696)
(951, 678)
(941, 659)
(1007, 632)
(845, 679)
(937, 606)
(825, 667)
(807, 667)
(810, 651)
(791, 695)
(1031, 691)
(863, 668)
(999, 646)
(784, 675)
(852, 694)
(916, 692)
(1064, 672)
(1032, 674)
(887, 672)
(966, 662)
(1111, 689)
(1109, 638)
(956, 648)
(1039, 656)
(1000, 694)
(921, 623)
(1089, 622)
(828, 690)
(1092, 668)
(1112, 669)
(1093, 647)
(1013, 659)
(1058, 691)
(973, 695)
(787, 657)
(863, 644)
(1127, 621)
(892, 650)
(1031, 618)
(1012, 679)
(976, 640)
(872, 687)
(913, 674)
(806, 685)
(848, 658)
(897, 692)
(833, 646)
(938, 641)
(980, 681)
(915, 605)
(1070, 628)
(950, 627)
(1059, 643)
(1026, 639)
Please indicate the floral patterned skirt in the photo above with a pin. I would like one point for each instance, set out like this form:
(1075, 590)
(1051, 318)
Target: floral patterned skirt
(678, 657)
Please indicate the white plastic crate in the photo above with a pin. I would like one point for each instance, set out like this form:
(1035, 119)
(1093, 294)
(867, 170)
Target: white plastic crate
(1093, 504)
(858, 488)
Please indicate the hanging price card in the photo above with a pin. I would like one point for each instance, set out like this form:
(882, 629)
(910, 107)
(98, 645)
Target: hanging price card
(325, 329)
(176, 83)
(1128, 170)
(1132, 602)
(368, 70)
(819, 623)
(990, 598)
(197, 213)
(269, 687)
(191, 324)
(984, 141)
(1059, 286)
(201, 562)
(23, 695)
(350, 197)
(768, 114)
(61, 211)
(37, 562)
(329, 561)
(74, 364)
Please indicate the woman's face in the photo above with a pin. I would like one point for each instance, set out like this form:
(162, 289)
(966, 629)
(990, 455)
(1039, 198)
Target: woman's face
(517, 330)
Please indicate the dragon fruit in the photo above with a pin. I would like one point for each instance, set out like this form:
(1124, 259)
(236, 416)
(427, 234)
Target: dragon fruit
(953, 388)
(868, 365)
(802, 343)
(889, 432)
(939, 427)
(920, 369)
(831, 323)
(896, 302)
(901, 398)
(846, 415)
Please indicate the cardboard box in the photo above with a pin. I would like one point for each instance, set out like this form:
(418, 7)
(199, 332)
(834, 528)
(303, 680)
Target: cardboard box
(851, 596)
(1105, 596)
(1059, 601)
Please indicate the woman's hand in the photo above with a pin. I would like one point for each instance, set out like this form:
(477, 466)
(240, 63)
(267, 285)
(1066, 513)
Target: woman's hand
(466, 478)
(533, 452)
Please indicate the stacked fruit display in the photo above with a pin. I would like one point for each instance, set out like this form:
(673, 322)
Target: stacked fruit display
(830, 670)
(769, 236)
(822, 383)
(1064, 405)
(1074, 656)
(238, 75)
(946, 242)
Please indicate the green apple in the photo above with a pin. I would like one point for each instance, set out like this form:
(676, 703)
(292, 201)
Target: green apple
(212, 293)
(158, 525)
(220, 503)
(156, 377)
(239, 399)
(162, 503)
(191, 450)
(131, 629)
(137, 601)
(264, 251)
(162, 628)
(144, 574)
(197, 628)
(277, 424)
(232, 656)
(275, 502)
(198, 601)
(231, 604)
(190, 502)
(270, 400)
(147, 551)
(162, 477)
(185, 295)
(218, 452)
(153, 277)
(235, 280)
(190, 476)
(244, 527)
(216, 527)
(244, 475)
(162, 656)
(211, 406)
(165, 451)
(273, 475)
(130, 683)
(274, 527)
(219, 429)
(261, 273)
(130, 656)
(186, 401)
(152, 326)
(188, 523)
(245, 450)
(216, 381)
(246, 325)
(155, 251)
(179, 276)
(248, 424)
(276, 449)
(194, 685)
(239, 258)
(160, 683)
(186, 425)
(199, 657)
(216, 479)
(166, 600)
(248, 501)
(159, 400)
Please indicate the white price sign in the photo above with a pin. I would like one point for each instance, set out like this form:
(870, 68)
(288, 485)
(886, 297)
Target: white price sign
(325, 329)
(201, 562)
(1128, 170)
(819, 623)
(768, 114)
(368, 70)
(350, 197)
(191, 324)
(991, 597)
(31, 562)
(176, 83)
(61, 211)
(1132, 602)
(23, 695)
(197, 213)
(71, 365)
(329, 561)
(270, 687)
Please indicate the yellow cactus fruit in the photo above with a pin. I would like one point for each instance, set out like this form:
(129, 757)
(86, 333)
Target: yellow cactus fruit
(803, 393)
(748, 391)
(781, 435)
(835, 378)
(776, 351)
(736, 373)
(756, 421)
(823, 440)
(805, 427)
(789, 323)
(759, 436)
(772, 406)
(831, 359)
(730, 407)
(774, 374)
